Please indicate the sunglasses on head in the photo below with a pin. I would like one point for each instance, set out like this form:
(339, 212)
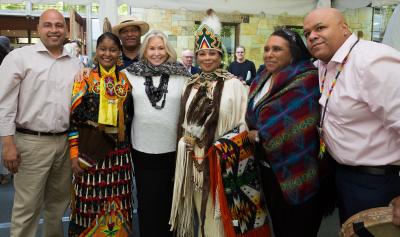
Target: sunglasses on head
(289, 33)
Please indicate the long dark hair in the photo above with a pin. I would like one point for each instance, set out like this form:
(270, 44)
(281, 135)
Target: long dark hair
(297, 47)
(3, 54)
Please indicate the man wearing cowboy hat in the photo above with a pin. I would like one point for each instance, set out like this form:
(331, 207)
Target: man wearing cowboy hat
(129, 30)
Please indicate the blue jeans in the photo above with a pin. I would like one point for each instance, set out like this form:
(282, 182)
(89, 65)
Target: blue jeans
(359, 191)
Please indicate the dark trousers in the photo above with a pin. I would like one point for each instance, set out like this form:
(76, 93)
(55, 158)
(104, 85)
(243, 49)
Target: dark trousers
(154, 181)
(290, 220)
(359, 191)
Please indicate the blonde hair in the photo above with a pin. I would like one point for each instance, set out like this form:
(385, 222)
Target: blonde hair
(168, 47)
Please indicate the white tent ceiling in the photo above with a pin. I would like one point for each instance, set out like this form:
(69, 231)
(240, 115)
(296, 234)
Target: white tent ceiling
(273, 7)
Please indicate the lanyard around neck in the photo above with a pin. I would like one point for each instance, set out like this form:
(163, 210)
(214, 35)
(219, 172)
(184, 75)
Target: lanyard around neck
(340, 69)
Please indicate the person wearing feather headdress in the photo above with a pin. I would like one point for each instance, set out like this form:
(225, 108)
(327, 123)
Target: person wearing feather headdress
(215, 175)
(157, 80)
(101, 112)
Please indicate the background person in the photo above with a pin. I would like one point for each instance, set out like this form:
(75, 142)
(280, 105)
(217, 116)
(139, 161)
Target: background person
(100, 148)
(157, 82)
(360, 111)
(33, 127)
(242, 68)
(5, 48)
(129, 30)
(282, 115)
(187, 61)
(74, 49)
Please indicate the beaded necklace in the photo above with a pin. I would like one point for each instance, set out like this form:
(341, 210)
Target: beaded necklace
(156, 93)
(322, 147)
(114, 87)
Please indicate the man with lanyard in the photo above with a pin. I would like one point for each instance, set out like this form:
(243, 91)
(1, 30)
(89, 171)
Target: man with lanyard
(129, 32)
(360, 118)
(35, 97)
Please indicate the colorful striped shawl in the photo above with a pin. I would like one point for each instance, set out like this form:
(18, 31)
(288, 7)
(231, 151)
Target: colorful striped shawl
(234, 180)
(286, 118)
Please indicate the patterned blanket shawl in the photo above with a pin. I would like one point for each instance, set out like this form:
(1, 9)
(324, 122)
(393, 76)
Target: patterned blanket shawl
(286, 118)
(235, 181)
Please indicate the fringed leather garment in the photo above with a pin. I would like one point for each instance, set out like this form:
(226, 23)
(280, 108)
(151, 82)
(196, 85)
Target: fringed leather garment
(212, 104)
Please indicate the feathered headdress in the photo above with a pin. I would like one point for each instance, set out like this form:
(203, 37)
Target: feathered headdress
(107, 25)
(208, 34)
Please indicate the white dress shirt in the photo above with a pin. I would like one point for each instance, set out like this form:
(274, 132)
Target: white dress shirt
(362, 120)
(35, 90)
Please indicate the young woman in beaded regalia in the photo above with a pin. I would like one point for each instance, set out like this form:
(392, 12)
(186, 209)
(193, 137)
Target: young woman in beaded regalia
(213, 103)
(100, 154)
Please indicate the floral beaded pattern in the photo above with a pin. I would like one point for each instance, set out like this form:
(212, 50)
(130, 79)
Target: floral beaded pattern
(113, 90)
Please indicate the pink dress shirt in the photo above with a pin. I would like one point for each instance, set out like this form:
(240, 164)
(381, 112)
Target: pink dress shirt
(35, 90)
(362, 120)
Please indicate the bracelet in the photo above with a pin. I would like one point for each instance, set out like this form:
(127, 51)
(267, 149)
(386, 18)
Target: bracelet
(73, 139)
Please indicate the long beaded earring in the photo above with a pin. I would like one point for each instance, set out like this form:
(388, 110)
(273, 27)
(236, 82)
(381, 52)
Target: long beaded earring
(95, 61)
(119, 62)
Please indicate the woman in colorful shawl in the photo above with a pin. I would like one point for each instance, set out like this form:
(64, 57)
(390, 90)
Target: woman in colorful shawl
(99, 147)
(282, 115)
(157, 81)
(214, 105)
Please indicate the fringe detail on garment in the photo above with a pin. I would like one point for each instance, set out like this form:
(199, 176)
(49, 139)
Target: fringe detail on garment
(198, 179)
(181, 219)
(217, 208)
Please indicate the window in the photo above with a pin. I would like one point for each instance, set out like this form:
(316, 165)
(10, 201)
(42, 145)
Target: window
(12, 7)
(123, 10)
(381, 16)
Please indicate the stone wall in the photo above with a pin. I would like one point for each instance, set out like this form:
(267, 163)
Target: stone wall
(180, 24)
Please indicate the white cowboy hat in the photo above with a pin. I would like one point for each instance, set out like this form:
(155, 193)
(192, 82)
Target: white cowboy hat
(130, 21)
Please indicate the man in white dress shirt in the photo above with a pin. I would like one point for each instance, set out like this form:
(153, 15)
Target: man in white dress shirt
(35, 96)
(360, 118)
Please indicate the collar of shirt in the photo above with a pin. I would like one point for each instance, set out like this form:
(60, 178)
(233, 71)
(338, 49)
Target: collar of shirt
(341, 53)
(128, 61)
(41, 48)
(126, 58)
